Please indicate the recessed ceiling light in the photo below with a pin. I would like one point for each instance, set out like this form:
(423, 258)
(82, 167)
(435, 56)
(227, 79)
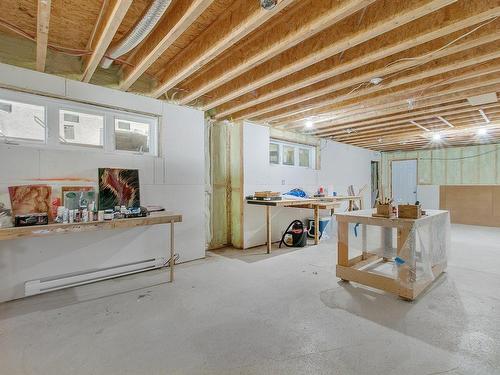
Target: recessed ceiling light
(436, 137)
(309, 124)
(482, 132)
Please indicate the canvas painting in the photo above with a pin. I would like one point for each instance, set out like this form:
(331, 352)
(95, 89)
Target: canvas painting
(30, 199)
(118, 187)
(74, 197)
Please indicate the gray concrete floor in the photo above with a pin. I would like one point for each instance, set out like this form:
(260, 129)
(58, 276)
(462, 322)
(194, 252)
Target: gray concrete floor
(250, 313)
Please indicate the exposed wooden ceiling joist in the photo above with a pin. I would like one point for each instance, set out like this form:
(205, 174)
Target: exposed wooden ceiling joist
(115, 12)
(241, 19)
(432, 27)
(380, 18)
(42, 33)
(183, 14)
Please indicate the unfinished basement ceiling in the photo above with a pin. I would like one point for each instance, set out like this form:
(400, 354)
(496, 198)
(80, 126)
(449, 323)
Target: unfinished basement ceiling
(381, 74)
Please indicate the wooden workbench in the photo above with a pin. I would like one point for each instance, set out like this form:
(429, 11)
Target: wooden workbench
(316, 204)
(57, 229)
(355, 269)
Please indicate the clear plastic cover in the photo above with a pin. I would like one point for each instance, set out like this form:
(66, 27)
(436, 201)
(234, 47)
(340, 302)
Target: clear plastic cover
(419, 258)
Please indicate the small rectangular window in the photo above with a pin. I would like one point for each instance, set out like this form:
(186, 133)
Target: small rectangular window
(304, 157)
(274, 153)
(22, 121)
(132, 136)
(288, 155)
(81, 128)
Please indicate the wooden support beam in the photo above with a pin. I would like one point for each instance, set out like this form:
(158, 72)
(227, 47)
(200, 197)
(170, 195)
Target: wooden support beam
(116, 11)
(313, 17)
(381, 69)
(181, 16)
(444, 111)
(42, 33)
(242, 18)
(406, 88)
(422, 31)
(379, 18)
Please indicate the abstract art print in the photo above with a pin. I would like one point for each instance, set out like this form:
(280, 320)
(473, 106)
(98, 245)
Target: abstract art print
(30, 199)
(118, 187)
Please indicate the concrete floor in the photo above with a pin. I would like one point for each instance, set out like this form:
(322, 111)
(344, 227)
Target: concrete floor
(258, 314)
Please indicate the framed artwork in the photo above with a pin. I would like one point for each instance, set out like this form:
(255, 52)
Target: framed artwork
(30, 199)
(118, 187)
(74, 197)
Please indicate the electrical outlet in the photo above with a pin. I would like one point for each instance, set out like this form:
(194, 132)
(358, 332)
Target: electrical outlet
(282, 182)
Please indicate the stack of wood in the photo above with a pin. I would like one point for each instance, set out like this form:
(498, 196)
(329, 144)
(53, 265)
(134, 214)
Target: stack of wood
(267, 195)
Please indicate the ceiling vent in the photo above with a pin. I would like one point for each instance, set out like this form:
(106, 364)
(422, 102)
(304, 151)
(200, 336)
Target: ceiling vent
(483, 99)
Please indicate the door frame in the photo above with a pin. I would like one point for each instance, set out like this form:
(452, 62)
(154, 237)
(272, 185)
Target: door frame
(390, 173)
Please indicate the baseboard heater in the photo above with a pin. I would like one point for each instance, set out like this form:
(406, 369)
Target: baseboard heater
(69, 280)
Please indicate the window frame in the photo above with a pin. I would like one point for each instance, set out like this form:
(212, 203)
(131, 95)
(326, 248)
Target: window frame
(52, 140)
(25, 99)
(296, 146)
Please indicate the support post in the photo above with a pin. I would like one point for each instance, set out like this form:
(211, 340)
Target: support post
(316, 225)
(172, 252)
(268, 228)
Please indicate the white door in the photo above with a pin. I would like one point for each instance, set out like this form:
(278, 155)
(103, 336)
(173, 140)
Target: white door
(404, 181)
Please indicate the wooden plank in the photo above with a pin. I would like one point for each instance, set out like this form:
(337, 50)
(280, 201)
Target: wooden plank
(53, 229)
(42, 33)
(440, 72)
(116, 11)
(353, 78)
(314, 16)
(379, 19)
(343, 244)
(242, 18)
(369, 279)
(425, 31)
(268, 229)
(183, 14)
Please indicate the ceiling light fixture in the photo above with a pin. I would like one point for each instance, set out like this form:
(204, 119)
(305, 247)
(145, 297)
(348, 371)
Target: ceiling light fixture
(482, 132)
(309, 124)
(268, 4)
(436, 137)
(375, 80)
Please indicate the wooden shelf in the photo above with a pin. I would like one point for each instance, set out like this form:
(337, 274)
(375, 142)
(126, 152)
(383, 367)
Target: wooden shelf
(52, 229)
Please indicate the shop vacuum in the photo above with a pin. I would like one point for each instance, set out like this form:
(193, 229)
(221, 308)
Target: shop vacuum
(297, 233)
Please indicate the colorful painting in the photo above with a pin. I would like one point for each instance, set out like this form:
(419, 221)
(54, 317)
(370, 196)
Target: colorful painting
(118, 187)
(30, 199)
(74, 197)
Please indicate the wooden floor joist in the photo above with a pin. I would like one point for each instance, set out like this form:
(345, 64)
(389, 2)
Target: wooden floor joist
(115, 12)
(42, 33)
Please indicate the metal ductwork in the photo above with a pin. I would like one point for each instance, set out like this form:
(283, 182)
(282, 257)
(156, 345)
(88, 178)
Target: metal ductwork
(140, 31)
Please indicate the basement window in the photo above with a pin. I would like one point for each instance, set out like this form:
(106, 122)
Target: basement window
(76, 127)
(22, 121)
(135, 135)
(291, 154)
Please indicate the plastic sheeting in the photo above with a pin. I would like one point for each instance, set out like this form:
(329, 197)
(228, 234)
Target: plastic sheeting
(418, 258)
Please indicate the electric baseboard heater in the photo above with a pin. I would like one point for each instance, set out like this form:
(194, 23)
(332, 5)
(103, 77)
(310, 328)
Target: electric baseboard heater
(69, 280)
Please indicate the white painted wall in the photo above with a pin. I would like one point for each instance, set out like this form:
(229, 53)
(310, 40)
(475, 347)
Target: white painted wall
(174, 180)
(341, 165)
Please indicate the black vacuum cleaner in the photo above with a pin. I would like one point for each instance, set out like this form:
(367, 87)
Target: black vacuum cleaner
(297, 230)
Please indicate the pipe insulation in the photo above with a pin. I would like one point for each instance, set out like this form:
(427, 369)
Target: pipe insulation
(140, 31)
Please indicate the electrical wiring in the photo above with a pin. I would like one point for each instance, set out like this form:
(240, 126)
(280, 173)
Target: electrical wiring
(464, 157)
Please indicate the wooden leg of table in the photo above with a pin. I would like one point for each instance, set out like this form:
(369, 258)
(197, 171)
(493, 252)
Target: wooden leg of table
(406, 270)
(364, 242)
(172, 252)
(350, 205)
(316, 225)
(343, 244)
(268, 228)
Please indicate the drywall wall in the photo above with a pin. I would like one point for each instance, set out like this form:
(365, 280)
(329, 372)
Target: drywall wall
(175, 180)
(469, 165)
(341, 165)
